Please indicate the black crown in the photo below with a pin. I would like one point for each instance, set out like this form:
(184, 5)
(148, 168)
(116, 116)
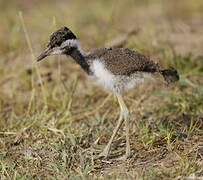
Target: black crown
(61, 35)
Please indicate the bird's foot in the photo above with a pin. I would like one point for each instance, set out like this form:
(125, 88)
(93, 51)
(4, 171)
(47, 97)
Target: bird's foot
(124, 157)
(105, 152)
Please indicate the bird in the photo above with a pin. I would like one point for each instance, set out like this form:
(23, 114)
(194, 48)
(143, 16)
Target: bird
(116, 69)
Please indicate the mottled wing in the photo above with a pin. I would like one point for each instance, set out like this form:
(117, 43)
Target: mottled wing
(122, 61)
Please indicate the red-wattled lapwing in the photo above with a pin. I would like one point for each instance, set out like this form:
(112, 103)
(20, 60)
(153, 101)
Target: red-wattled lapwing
(116, 69)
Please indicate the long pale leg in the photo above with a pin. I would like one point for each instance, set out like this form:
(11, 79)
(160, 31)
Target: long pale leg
(106, 150)
(125, 114)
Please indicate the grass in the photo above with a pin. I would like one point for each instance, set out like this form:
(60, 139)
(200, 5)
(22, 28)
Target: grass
(54, 121)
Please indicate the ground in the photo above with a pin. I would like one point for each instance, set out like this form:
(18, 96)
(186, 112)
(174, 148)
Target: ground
(54, 120)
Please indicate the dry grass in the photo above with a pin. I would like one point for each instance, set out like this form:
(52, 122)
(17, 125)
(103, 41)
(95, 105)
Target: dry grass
(54, 121)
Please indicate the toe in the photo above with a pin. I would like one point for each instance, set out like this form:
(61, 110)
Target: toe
(103, 154)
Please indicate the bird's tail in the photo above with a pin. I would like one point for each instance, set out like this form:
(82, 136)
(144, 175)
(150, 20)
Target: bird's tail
(170, 75)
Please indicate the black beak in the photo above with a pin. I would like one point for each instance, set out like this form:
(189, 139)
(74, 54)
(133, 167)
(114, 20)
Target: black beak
(44, 54)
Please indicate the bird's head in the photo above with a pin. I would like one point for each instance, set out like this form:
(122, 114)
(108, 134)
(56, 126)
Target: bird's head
(63, 41)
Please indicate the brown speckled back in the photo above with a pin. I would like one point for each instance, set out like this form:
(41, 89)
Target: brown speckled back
(120, 61)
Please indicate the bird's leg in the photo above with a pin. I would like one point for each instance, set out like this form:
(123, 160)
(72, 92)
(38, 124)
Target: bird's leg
(125, 114)
(106, 150)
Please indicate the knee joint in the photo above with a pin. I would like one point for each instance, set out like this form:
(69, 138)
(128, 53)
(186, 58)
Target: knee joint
(125, 113)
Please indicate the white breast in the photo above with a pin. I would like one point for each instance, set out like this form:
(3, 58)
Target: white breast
(115, 83)
(102, 75)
